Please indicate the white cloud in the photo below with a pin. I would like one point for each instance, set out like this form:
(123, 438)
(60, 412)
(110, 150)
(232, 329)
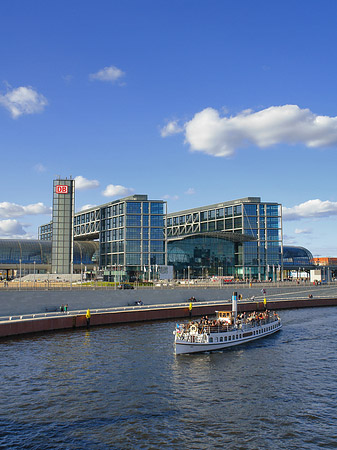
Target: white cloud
(11, 228)
(214, 135)
(40, 168)
(302, 231)
(117, 191)
(190, 191)
(88, 206)
(82, 183)
(8, 209)
(171, 197)
(111, 74)
(23, 100)
(171, 128)
(310, 209)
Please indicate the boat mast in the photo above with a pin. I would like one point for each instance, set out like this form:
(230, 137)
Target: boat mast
(235, 306)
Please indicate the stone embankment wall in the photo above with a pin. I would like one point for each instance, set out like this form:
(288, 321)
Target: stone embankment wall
(40, 301)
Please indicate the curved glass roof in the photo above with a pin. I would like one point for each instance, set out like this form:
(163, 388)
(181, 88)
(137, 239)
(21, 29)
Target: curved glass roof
(30, 251)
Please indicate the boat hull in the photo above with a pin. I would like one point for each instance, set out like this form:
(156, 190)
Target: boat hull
(183, 346)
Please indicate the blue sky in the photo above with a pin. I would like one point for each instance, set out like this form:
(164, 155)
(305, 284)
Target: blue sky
(196, 102)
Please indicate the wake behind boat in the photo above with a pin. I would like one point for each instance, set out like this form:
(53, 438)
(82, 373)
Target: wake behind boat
(227, 330)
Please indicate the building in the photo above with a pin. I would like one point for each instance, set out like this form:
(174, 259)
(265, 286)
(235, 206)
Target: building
(22, 257)
(130, 232)
(63, 237)
(240, 238)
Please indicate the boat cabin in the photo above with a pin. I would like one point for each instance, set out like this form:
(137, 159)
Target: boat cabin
(224, 316)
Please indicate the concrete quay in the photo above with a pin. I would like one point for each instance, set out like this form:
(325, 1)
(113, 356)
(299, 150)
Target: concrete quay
(278, 299)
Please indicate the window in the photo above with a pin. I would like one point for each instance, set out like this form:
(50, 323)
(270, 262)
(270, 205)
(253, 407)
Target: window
(145, 208)
(133, 233)
(211, 214)
(238, 222)
(157, 246)
(220, 213)
(229, 211)
(237, 210)
(157, 233)
(203, 216)
(157, 221)
(133, 207)
(157, 208)
(133, 221)
(250, 210)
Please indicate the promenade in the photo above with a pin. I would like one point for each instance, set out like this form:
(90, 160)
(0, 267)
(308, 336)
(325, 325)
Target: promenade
(112, 307)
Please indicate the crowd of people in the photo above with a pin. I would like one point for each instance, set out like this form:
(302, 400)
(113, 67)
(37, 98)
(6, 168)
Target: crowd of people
(217, 325)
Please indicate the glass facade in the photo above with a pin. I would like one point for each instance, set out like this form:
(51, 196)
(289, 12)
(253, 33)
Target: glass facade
(132, 235)
(261, 222)
(202, 256)
(39, 253)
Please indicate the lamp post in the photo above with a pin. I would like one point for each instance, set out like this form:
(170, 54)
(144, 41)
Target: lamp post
(34, 273)
(20, 275)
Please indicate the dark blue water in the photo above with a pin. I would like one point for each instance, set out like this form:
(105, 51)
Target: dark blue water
(122, 387)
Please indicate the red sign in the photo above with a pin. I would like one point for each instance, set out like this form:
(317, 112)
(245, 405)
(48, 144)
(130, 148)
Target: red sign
(61, 189)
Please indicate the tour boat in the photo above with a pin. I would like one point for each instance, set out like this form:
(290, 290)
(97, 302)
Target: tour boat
(227, 330)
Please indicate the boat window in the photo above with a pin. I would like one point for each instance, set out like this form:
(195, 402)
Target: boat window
(225, 338)
(221, 339)
(229, 338)
(210, 339)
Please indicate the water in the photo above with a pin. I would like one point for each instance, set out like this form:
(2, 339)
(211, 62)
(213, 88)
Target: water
(122, 387)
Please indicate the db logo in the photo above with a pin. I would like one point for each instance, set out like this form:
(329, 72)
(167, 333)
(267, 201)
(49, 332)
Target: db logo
(61, 189)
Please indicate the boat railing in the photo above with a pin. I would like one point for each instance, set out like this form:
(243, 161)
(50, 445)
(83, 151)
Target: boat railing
(198, 329)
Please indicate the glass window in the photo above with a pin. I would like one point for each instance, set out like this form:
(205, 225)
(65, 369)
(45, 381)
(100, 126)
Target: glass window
(132, 220)
(203, 227)
(203, 216)
(237, 210)
(133, 233)
(219, 213)
(195, 217)
(157, 221)
(188, 218)
(238, 222)
(157, 208)
(145, 233)
(121, 221)
(157, 246)
(229, 211)
(133, 246)
(121, 208)
(145, 208)
(132, 259)
(181, 220)
(272, 210)
(272, 222)
(219, 225)
(250, 222)
(250, 210)
(229, 224)
(133, 207)
(211, 214)
(157, 233)
(211, 226)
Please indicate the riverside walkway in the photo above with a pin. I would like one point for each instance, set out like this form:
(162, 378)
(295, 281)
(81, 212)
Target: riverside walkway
(17, 324)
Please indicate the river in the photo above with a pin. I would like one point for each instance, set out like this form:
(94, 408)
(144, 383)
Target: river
(122, 387)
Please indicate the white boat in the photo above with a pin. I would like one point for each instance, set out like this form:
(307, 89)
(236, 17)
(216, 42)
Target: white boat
(227, 330)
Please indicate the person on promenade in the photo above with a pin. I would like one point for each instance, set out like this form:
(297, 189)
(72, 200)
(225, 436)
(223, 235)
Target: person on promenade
(66, 308)
(62, 308)
(88, 316)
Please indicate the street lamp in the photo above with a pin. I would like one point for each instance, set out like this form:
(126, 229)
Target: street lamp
(20, 276)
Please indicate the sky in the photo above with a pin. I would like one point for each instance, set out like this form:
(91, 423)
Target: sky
(195, 102)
